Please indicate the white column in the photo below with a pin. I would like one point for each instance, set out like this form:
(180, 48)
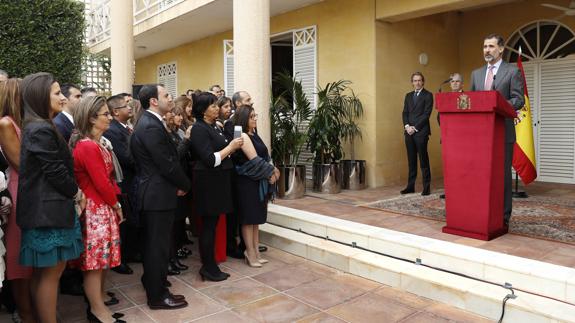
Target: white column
(252, 57)
(122, 45)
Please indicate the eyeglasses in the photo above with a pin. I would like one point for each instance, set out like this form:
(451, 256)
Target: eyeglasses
(107, 114)
(254, 116)
(118, 108)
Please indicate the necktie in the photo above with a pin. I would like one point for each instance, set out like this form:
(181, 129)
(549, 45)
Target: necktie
(489, 80)
(415, 95)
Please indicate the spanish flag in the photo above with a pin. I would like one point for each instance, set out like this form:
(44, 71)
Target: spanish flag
(524, 149)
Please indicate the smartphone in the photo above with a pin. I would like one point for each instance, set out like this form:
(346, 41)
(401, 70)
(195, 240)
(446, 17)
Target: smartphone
(237, 131)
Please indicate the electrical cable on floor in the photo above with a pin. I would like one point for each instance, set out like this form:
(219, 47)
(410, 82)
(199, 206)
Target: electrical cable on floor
(418, 262)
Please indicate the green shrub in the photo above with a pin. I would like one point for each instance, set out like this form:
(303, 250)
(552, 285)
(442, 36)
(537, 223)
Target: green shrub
(42, 36)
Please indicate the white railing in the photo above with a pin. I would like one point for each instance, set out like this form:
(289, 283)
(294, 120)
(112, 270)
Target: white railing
(97, 21)
(98, 16)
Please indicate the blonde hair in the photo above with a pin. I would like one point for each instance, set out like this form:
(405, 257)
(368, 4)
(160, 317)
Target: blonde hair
(86, 110)
(182, 102)
(10, 100)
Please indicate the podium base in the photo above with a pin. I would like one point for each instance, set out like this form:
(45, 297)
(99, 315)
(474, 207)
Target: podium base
(481, 236)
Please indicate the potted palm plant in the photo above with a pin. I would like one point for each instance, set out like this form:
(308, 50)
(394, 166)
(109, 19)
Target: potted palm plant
(353, 169)
(289, 112)
(324, 137)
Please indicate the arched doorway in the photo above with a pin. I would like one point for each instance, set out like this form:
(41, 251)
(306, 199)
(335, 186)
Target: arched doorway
(548, 53)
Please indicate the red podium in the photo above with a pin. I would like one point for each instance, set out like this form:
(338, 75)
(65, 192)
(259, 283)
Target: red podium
(473, 143)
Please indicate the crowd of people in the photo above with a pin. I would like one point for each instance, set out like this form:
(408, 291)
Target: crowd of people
(91, 183)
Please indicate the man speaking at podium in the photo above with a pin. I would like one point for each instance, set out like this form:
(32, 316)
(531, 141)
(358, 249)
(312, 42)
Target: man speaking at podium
(505, 78)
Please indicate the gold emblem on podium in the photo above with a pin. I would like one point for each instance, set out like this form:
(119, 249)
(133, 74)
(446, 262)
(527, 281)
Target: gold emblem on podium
(463, 102)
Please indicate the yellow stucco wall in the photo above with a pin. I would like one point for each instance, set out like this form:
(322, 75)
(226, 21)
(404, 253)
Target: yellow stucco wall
(345, 49)
(398, 47)
(393, 10)
(200, 64)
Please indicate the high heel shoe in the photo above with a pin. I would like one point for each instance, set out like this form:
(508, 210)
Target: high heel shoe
(211, 277)
(262, 260)
(250, 262)
(177, 264)
(93, 318)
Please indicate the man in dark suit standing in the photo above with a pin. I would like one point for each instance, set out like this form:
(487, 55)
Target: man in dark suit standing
(505, 78)
(417, 108)
(119, 136)
(160, 179)
(64, 121)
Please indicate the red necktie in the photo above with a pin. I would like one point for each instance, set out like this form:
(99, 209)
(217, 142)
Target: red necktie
(489, 80)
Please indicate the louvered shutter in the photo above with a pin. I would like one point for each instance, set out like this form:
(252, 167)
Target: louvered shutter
(305, 70)
(168, 75)
(557, 121)
(229, 67)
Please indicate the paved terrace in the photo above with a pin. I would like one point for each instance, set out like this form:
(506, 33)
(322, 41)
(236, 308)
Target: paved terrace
(345, 206)
(288, 289)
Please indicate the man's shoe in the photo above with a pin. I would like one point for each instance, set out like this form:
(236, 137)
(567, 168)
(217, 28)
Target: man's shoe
(123, 269)
(112, 301)
(442, 196)
(172, 271)
(175, 263)
(168, 303)
(407, 191)
(262, 248)
(425, 193)
(177, 297)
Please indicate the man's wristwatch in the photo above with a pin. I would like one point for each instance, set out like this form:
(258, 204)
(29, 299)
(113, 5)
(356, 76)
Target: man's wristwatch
(117, 206)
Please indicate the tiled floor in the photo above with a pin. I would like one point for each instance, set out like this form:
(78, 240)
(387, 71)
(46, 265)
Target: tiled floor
(345, 205)
(288, 289)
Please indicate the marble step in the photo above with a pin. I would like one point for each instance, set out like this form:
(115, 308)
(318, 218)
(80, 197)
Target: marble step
(538, 277)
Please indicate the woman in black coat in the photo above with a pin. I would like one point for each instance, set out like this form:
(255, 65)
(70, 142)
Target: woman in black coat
(45, 208)
(212, 178)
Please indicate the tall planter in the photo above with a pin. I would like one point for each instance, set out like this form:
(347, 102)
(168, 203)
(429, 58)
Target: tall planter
(291, 184)
(353, 174)
(289, 109)
(327, 178)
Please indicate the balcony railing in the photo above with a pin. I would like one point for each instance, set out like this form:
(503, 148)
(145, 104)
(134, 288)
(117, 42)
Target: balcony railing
(98, 16)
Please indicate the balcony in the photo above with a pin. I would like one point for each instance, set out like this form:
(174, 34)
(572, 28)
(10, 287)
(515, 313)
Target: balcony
(165, 24)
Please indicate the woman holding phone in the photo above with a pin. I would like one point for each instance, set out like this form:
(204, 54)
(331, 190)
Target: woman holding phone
(212, 178)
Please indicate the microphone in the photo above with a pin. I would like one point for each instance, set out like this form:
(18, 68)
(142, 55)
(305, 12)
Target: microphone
(444, 82)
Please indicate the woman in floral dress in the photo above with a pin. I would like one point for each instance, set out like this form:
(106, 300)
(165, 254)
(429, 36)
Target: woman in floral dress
(94, 170)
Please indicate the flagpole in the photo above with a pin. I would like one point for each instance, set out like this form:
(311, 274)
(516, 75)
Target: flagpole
(517, 193)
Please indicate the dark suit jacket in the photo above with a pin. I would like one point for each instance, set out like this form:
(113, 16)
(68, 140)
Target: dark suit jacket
(159, 174)
(46, 186)
(119, 136)
(417, 114)
(64, 126)
(509, 82)
(212, 185)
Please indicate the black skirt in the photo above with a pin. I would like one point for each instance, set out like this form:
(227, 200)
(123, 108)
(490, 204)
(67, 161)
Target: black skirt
(212, 192)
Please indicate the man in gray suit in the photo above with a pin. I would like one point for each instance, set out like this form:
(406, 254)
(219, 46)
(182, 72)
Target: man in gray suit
(505, 78)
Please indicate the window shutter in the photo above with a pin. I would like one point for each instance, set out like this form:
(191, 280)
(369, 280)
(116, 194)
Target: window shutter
(557, 126)
(305, 70)
(229, 67)
(167, 75)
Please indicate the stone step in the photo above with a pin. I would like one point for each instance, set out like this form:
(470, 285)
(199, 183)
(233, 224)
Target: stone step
(481, 298)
